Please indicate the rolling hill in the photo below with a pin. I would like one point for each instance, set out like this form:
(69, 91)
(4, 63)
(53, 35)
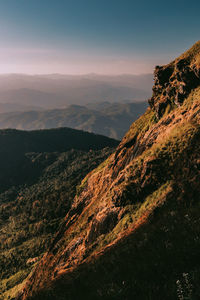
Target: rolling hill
(110, 119)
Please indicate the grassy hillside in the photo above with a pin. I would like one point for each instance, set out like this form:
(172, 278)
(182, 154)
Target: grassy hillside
(133, 229)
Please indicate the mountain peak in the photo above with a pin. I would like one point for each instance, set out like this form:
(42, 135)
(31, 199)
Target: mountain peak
(192, 55)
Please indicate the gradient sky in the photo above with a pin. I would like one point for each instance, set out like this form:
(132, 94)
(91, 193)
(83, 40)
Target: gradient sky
(100, 36)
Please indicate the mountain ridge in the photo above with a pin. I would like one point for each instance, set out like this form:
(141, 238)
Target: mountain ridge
(110, 119)
(60, 91)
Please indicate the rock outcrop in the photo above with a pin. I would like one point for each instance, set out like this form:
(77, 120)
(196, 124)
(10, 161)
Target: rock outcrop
(174, 82)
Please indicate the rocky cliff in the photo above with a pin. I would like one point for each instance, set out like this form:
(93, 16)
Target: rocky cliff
(133, 229)
(175, 81)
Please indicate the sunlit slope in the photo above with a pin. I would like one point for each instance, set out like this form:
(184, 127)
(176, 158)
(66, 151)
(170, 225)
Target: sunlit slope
(133, 229)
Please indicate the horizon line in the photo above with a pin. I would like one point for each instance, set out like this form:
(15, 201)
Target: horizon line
(82, 74)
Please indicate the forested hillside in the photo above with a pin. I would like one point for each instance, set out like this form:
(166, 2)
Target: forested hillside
(110, 119)
(39, 174)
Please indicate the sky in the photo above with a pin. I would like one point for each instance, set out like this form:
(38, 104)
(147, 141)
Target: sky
(94, 36)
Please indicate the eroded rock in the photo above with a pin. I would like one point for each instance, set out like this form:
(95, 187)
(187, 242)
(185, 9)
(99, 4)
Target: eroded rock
(104, 222)
(172, 84)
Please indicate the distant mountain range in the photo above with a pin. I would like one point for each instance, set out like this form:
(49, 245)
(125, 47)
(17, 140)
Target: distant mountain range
(58, 91)
(110, 119)
(17, 107)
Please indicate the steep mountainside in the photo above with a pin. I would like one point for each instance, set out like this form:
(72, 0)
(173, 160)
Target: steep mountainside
(133, 231)
(112, 120)
(39, 174)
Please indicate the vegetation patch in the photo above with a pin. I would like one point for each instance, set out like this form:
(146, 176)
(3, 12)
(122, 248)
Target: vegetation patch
(142, 125)
(136, 214)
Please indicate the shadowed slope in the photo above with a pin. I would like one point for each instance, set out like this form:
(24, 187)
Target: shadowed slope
(39, 174)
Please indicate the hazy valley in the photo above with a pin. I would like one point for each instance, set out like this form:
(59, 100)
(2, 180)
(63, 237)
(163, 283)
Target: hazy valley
(59, 91)
(101, 104)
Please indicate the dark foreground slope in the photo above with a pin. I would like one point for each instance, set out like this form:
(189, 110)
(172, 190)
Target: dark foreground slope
(17, 166)
(39, 174)
(133, 231)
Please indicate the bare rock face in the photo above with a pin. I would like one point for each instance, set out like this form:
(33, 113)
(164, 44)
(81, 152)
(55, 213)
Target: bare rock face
(104, 222)
(172, 84)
